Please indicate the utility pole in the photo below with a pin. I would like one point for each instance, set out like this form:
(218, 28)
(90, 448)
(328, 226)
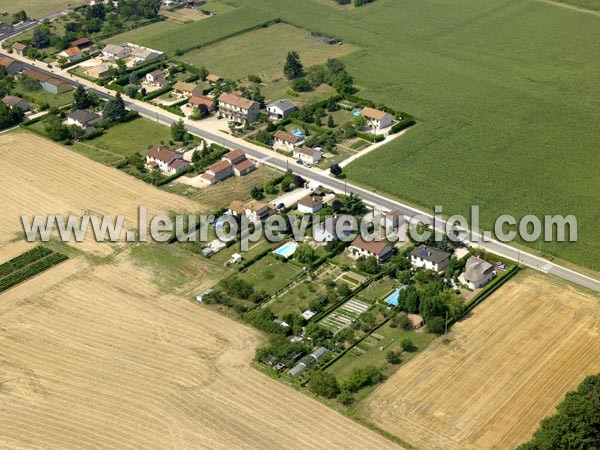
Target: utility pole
(446, 329)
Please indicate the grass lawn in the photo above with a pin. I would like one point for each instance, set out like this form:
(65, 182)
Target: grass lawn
(279, 89)
(501, 93)
(270, 274)
(176, 269)
(45, 96)
(268, 47)
(36, 9)
(127, 138)
(376, 290)
(297, 298)
(588, 4)
(217, 6)
(169, 36)
(368, 353)
(234, 188)
(255, 248)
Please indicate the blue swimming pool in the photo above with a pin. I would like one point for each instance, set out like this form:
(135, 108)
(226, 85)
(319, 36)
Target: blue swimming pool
(298, 133)
(356, 112)
(392, 299)
(287, 249)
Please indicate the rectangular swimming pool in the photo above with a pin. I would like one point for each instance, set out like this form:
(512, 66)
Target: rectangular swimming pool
(287, 249)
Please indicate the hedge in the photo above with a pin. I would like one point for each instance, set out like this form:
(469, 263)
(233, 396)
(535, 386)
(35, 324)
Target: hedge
(403, 124)
(174, 176)
(24, 259)
(370, 137)
(31, 270)
(491, 287)
(255, 142)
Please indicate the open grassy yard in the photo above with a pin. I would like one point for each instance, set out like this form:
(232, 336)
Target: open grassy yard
(368, 353)
(270, 274)
(36, 9)
(280, 89)
(57, 100)
(588, 4)
(218, 6)
(297, 298)
(268, 47)
(504, 96)
(170, 36)
(376, 290)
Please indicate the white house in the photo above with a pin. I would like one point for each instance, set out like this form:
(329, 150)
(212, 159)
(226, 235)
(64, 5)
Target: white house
(156, 78)
(430, 258)
(165, 160)
(112, 51)
(309, 205)
(307, 155)
(286, 141)
(237, 108)
(330, 231)
(377, 120)
(380, 249)
(478, 273)
(71, 54)
(280, 109)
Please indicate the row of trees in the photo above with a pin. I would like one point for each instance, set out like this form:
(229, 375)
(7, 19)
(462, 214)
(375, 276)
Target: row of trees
(333, 73)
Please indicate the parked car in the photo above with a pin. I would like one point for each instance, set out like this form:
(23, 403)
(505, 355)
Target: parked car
(307, 165)
(280, 206)
(299, 162)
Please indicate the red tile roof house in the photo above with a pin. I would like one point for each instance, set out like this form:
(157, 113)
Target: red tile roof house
(381, 249)
(378, 120)
(12, 67)
(286, 141)
(203, 103)
(307, 155)
(71, 54)
(232, 163)
(238, 109)
(165, 160)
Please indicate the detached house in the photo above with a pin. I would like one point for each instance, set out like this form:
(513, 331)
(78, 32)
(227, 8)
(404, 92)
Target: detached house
(378, 120)
(112, 51)
(232, 163)
(381, 250)
(286, 141)
(12, 67)
(327, 231)
(99, 71)
(142, 54)
(280, 109)
(307, 155)
(309, 205)
(214, 79)
(478, 273)
(238, 109)
(16, 102)
(429, 258)
(156, 78)
(257, 211)
(184, 90)
(83, 118)
(71, 54)
(166, 160)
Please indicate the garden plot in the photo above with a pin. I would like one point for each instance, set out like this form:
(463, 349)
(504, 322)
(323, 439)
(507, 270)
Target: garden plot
(345, 315)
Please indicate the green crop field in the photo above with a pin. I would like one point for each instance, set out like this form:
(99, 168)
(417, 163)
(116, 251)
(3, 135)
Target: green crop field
(36, 9)
(170, 37)
(588, 4)
(268, 48)
(506, 97)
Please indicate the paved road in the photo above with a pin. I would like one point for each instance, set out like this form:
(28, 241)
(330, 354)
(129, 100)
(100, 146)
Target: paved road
(369, 197)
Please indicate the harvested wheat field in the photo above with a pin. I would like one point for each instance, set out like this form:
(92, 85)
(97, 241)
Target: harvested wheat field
(41, 177)
(97, 357)
(507, 366)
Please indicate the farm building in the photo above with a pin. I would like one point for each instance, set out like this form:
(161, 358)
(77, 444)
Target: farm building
(81, 43)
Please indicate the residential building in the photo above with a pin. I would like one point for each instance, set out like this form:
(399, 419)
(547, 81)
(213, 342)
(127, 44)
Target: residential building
(232, 163)
(20, 49)
(12, 67)
(142, 54)
(478, 273)
(184, 90)
(327, 231)
(56, 85)
(257, 211)
(280, 109)
(81, 43)
(307, 154)
(237, 108)
(71, 54)
(236, 208)
(309, 205)
(203, 103)
(380, 249)
(156, 78)
(429, 258)
(112, 51)
(99, 71)
(214, 79)
(283, 140)
(16, 102)
(165, 160)
(377, 120)
(83, 118)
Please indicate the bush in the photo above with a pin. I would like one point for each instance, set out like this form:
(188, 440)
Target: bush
(324, 384)
(436, 325)
(394, 357)
(407, 345)
(361, 377)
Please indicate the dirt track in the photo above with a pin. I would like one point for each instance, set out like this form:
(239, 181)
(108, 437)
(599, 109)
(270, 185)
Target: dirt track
(507, 367)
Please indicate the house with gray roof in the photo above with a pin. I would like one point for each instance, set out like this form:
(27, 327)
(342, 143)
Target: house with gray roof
(83, 118)
(478, 273)
(280, 109)
(430, 258)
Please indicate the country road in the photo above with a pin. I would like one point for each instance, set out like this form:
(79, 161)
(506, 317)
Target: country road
(313, 174)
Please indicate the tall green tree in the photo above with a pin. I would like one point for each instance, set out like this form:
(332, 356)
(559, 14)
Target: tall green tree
(293, 67)
(178, 131)
(324, 384)
(114, 109)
